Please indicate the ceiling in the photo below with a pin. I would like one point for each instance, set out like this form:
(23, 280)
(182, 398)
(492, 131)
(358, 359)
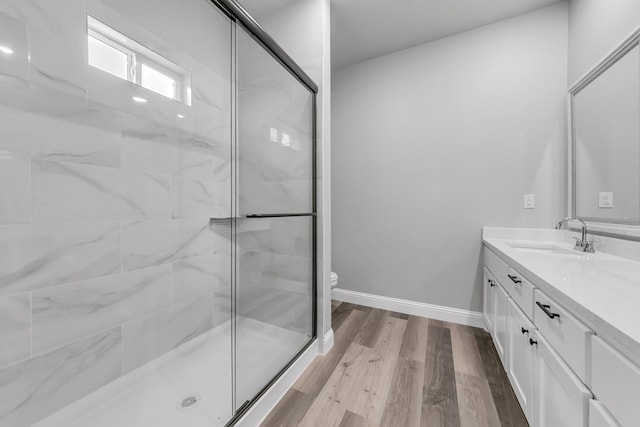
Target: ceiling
(365, 29)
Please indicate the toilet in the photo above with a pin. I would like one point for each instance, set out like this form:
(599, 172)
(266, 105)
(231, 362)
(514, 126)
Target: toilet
(334, 280)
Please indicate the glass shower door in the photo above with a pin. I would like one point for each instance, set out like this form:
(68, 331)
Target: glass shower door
(274, 302)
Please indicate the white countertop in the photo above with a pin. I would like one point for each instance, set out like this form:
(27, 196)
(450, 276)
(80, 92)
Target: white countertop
(602, 290)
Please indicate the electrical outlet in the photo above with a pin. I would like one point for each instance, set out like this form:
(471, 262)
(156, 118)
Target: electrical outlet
(605, 199)
(529, 201)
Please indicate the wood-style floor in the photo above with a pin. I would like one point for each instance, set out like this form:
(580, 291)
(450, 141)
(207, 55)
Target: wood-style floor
(391, 369)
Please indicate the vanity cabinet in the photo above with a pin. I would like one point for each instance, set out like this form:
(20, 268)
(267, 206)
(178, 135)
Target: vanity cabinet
(568, 336)
(599, 416)
(496, 299)
(567, 363)
(521, 290)
(498, 268)
(495, 312)
(519, 364)
(544, 349)
(489, 301)
(559, 397)
(616, 383)
(500, 330)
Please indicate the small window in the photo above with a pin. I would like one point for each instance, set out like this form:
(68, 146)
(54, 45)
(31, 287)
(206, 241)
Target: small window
(107, 58)
(120, 56)
(158, 82)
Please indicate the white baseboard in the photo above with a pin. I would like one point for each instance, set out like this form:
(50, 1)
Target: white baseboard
(327, 342)
(438, 312)
(259, 411)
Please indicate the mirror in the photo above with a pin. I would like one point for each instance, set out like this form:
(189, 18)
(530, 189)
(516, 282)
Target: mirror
(606, 140)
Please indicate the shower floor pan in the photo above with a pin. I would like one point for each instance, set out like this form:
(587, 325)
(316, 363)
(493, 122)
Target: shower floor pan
(191, 385)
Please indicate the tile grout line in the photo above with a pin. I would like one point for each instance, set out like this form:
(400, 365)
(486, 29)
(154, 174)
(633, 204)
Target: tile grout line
(171, 284)
(121, 247)
(31, 324)
(121, 349)
(103, 221)
(30, 173)
(77, 340)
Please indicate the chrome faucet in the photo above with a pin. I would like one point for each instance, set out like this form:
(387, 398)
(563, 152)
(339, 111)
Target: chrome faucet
(581, 244)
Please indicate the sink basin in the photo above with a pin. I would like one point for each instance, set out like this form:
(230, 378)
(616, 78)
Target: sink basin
(545, 248)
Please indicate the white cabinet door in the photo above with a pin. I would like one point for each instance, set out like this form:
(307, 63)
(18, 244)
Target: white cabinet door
(616, 382)
(519, 352)
(500, 336)
(489, 301)
(559, 397)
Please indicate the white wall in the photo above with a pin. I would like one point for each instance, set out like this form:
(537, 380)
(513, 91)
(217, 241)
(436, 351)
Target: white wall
(302, 29)
(433, 142)
(596, 27)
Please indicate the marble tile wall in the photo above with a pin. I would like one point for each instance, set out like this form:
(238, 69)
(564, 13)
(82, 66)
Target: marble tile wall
(107, 259)
(275, 260)
(15, 327)
(275, 127)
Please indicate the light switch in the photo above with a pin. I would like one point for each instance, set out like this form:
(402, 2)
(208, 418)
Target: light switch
(529, 201)
(605, 199)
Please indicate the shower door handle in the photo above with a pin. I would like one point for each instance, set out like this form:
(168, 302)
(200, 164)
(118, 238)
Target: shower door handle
(223, 218)
(255, 216)
(278, 215)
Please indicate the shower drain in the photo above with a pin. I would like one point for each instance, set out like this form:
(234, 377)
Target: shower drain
(189, 402)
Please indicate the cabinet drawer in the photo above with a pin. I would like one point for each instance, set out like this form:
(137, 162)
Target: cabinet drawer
(599, 416)
(566, 334)
(615, 382)
(521, 291)
(496, 266)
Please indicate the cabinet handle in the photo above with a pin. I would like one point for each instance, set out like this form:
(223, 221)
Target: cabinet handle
(524, 331)
(514, 279)
(545, 308)
(532, 342)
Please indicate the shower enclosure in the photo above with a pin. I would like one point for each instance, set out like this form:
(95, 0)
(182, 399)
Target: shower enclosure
(157, 213)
